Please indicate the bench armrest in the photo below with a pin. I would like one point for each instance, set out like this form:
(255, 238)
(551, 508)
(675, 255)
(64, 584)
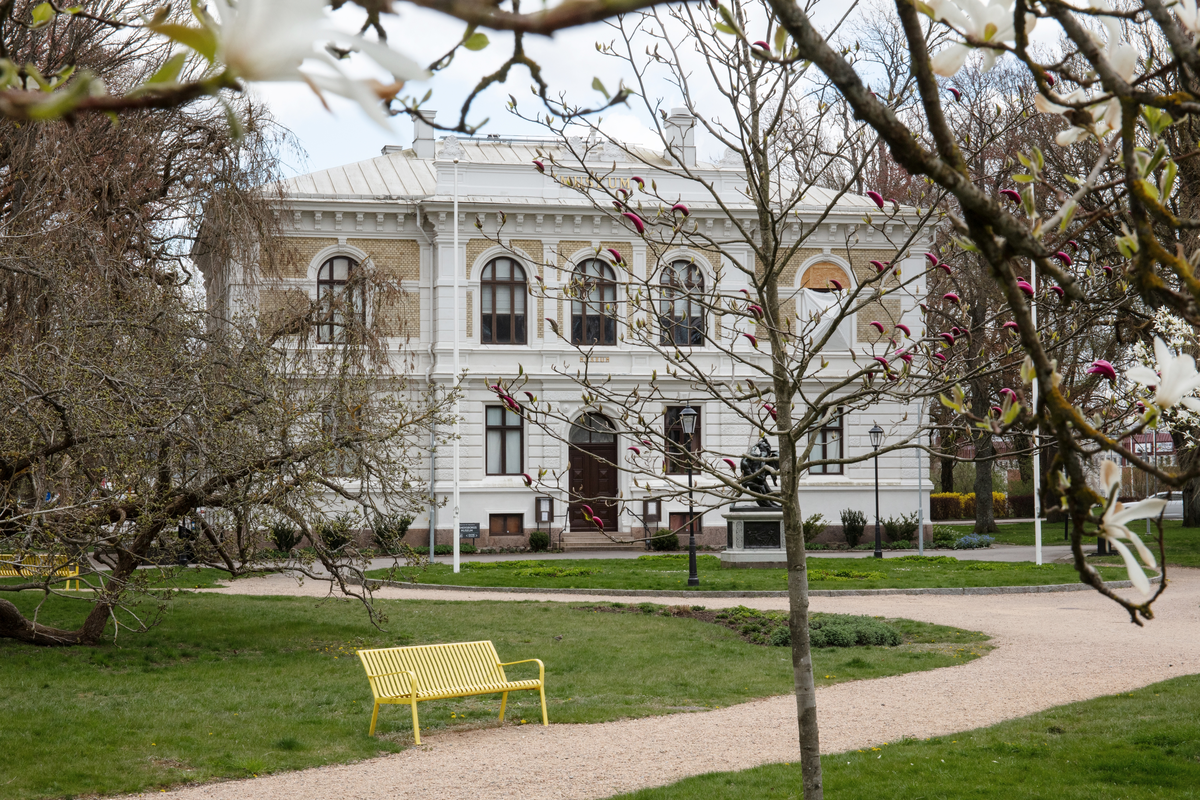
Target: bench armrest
(541, 666)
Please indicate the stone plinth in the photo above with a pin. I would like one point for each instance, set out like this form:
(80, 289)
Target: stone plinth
(754, 538)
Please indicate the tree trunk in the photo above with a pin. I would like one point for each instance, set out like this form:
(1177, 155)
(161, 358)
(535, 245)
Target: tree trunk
(14, 625)
(947, 477)
(1187, 458)
(985, 519)
(798, 601)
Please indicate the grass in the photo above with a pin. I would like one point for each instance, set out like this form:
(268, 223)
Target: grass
(232, 686)
(160, 578)
(1136, 746)
(1182, 544)
(670, 572)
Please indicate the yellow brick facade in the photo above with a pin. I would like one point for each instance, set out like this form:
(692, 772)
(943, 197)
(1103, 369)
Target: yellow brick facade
(300, 253)
(400, 315)
(397, 259)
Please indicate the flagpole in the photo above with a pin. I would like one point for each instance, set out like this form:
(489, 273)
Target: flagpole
(457, 371)
(1037, 456)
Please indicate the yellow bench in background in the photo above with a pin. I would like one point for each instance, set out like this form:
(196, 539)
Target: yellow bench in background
(404, 675)
(35, 565)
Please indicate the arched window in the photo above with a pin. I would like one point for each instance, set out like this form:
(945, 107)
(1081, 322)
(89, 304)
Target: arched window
(592, 429)
(502, 293)
(340, 294)
(594, 309)
(819, 277)
(681, 312)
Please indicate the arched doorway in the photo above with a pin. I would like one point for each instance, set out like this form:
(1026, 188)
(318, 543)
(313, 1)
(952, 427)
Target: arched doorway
(593, 458)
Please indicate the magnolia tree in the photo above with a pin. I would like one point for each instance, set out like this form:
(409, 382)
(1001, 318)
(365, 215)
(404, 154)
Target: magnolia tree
(765, 359)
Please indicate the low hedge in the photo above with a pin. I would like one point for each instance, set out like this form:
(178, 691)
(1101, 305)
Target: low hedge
(953, 505)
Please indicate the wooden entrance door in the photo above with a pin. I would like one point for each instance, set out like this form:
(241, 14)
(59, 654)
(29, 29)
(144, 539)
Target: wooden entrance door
(593, 454)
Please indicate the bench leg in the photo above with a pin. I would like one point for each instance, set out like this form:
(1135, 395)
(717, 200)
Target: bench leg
(542, 692)
(503, 703)
(416, 723)
(374, 716)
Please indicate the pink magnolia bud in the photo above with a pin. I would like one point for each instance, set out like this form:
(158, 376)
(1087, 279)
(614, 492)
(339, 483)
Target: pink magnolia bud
(876, 198)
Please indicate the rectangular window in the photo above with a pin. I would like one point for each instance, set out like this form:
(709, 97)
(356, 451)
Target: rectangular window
(677, 440)
(506, 525)
(504, 441)
(679, 524)
(827, 444)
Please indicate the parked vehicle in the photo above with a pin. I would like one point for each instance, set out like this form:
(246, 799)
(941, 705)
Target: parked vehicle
(1174, 509)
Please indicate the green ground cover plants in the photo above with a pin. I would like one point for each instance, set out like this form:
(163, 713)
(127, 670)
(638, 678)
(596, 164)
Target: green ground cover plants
(1182, 544)
(670, 572)
(1143, 745)
(231, 686)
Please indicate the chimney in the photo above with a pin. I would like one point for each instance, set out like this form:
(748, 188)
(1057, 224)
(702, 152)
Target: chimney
(423, 141)
(681, 136)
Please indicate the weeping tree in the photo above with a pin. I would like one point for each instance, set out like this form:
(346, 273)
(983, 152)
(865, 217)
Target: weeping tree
(145, 420)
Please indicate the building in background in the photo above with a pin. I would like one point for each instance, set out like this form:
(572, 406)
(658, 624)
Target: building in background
(396, 212)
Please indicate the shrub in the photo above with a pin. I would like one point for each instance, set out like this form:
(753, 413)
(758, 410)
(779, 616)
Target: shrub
(854, 522)
(999, 505)
(972, 541)
(389, 532)
(539, 541)
(555, 572)
(944, 536)
(813, 527)
(1020, 506)
(334, 533)
(968, 506)
(945, 505)
(844, 630)
(284, 536)
(902, 528)
(664, 539)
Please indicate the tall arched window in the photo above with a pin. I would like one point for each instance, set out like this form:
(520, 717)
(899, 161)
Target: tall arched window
(502, 293)
(340, 294)
(819, 277)
(681, 312)
(594, 309)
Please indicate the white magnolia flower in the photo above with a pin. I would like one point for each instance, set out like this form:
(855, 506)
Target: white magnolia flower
(1176, 377)
(1107, 115)
(985, 22)
(1188, 15)
(283, 40)
(1113, 526)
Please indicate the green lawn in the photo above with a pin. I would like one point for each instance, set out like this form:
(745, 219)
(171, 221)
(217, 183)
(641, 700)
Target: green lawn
(670, 572)
(233, 686)
(1182, 544)
(159, 578)
(1134, 746)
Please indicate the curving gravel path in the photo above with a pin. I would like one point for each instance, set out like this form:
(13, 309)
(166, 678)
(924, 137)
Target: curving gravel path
(1051, 649)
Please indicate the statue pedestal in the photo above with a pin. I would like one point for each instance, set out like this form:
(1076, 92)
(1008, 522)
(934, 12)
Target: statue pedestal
(754, 538)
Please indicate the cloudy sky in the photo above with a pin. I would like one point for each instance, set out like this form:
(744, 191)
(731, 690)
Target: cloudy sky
(570, 61)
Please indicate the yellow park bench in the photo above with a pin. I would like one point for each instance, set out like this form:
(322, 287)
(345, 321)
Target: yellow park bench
(35, 565)
(404, 675)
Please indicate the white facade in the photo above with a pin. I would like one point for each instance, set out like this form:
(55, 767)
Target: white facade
(396, 210)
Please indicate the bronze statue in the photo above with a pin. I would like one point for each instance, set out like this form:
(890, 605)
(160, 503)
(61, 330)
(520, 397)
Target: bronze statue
(758, 467)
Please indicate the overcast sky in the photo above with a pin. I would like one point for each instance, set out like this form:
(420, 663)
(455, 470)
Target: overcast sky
(344, 134)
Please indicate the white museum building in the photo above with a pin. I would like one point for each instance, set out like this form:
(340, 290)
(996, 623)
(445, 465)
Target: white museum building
(396, 211)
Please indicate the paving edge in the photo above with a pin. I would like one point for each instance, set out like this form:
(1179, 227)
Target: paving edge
(966, 590)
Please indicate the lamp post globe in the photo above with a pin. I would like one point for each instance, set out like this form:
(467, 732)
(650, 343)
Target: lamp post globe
(876, 434)
(687, 419)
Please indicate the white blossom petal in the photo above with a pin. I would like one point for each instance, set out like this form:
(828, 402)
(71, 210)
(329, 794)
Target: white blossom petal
(1136, 575)
(950, 60)
(1069, 136)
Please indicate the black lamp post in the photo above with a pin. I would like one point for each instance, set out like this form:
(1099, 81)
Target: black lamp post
(876, 440)
(687, 418)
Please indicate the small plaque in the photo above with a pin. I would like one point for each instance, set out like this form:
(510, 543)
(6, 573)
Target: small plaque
(762, 534)
(468, 530)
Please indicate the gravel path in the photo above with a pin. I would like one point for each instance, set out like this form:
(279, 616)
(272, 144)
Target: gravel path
(1051, 649)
